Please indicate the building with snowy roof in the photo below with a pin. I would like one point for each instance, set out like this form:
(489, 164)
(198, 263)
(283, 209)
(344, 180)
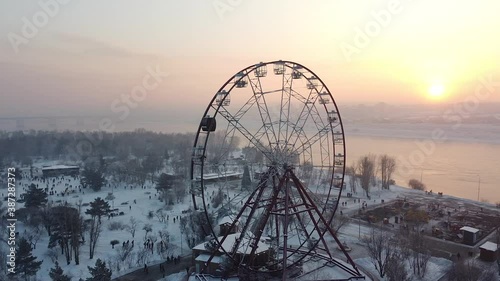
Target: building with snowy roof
(470, 235)
(225, 226)
(60, 170)
(488, 251)
(209, 255)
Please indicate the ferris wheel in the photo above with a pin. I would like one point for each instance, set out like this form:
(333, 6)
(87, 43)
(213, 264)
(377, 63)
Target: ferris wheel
(267, 170)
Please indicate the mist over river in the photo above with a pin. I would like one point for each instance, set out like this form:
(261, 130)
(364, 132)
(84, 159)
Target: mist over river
(451, 167)
(467, 157)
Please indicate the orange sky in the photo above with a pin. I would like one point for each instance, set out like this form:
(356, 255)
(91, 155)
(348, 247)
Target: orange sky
(89, 53)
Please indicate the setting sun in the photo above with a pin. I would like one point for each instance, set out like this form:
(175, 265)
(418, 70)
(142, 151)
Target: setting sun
(436, 91)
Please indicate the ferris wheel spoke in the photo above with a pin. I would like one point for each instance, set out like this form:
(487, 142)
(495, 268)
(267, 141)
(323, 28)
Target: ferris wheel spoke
(263, 110)
(249, 136)
(285, 108)
(226, 143)
(305, 112)
(316, 119)
(314, 139)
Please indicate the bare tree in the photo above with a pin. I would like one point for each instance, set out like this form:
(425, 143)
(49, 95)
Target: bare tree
(353, 179)
(218, 198)
(164, 235)
(470, 270)
(33, 235)
(416, 184)
(380, 250)
(142, 256)
(420, 254)
(94, 233)
(366, 170)
(387, 166)
(338, 222)
(180, 192)
(196, 227)
(163, 245)
(66, 231)
(53, 254)
(132, 226)
(124, 251)
(160, 215)
(147, 228)
(396, 268)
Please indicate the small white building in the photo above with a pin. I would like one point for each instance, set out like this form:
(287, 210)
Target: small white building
(60, 170)
(203, 251)
(470, 235)
(489, 251)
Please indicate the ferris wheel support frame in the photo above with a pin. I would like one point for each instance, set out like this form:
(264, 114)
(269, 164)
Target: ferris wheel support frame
(300, 143)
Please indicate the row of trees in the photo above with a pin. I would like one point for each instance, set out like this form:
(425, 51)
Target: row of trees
(390, 256)
(20, 146)
(132, 171)
(410, 250)
(64, 224)
(27, 265)
(100, 272)
(366, 169)
(126, 157)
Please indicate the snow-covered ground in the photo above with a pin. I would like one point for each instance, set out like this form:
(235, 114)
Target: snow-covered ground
(436, 268)
(146, 200)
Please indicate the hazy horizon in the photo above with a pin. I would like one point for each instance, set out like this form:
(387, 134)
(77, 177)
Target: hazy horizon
(87, 55)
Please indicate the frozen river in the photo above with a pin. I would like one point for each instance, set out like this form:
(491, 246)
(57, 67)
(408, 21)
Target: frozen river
(452, 167)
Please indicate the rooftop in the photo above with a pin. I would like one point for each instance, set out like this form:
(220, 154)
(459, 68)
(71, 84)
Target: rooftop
(206, 257)
(244, 247)
(59, 167)
(469, 229)
(226, 219)
(489, 246)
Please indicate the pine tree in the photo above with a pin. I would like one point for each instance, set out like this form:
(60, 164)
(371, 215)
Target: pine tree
(151, 164)
(66, 231)
(100, 272)
(35, 197)
(26, 264)
(164, 183)
(57, 274)
(246, 182)
(98, 208)
(92, 178)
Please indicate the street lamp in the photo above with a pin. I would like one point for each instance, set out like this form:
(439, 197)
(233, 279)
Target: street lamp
(359, 220)
(478, 186)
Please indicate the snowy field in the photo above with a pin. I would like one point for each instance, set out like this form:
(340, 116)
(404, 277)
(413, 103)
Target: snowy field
(436, 268)
(146, 200)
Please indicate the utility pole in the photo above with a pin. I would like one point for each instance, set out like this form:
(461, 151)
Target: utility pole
(359, 220)
(478, 186)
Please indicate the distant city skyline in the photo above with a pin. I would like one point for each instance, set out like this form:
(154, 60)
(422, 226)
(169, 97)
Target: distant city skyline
(85, 57)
